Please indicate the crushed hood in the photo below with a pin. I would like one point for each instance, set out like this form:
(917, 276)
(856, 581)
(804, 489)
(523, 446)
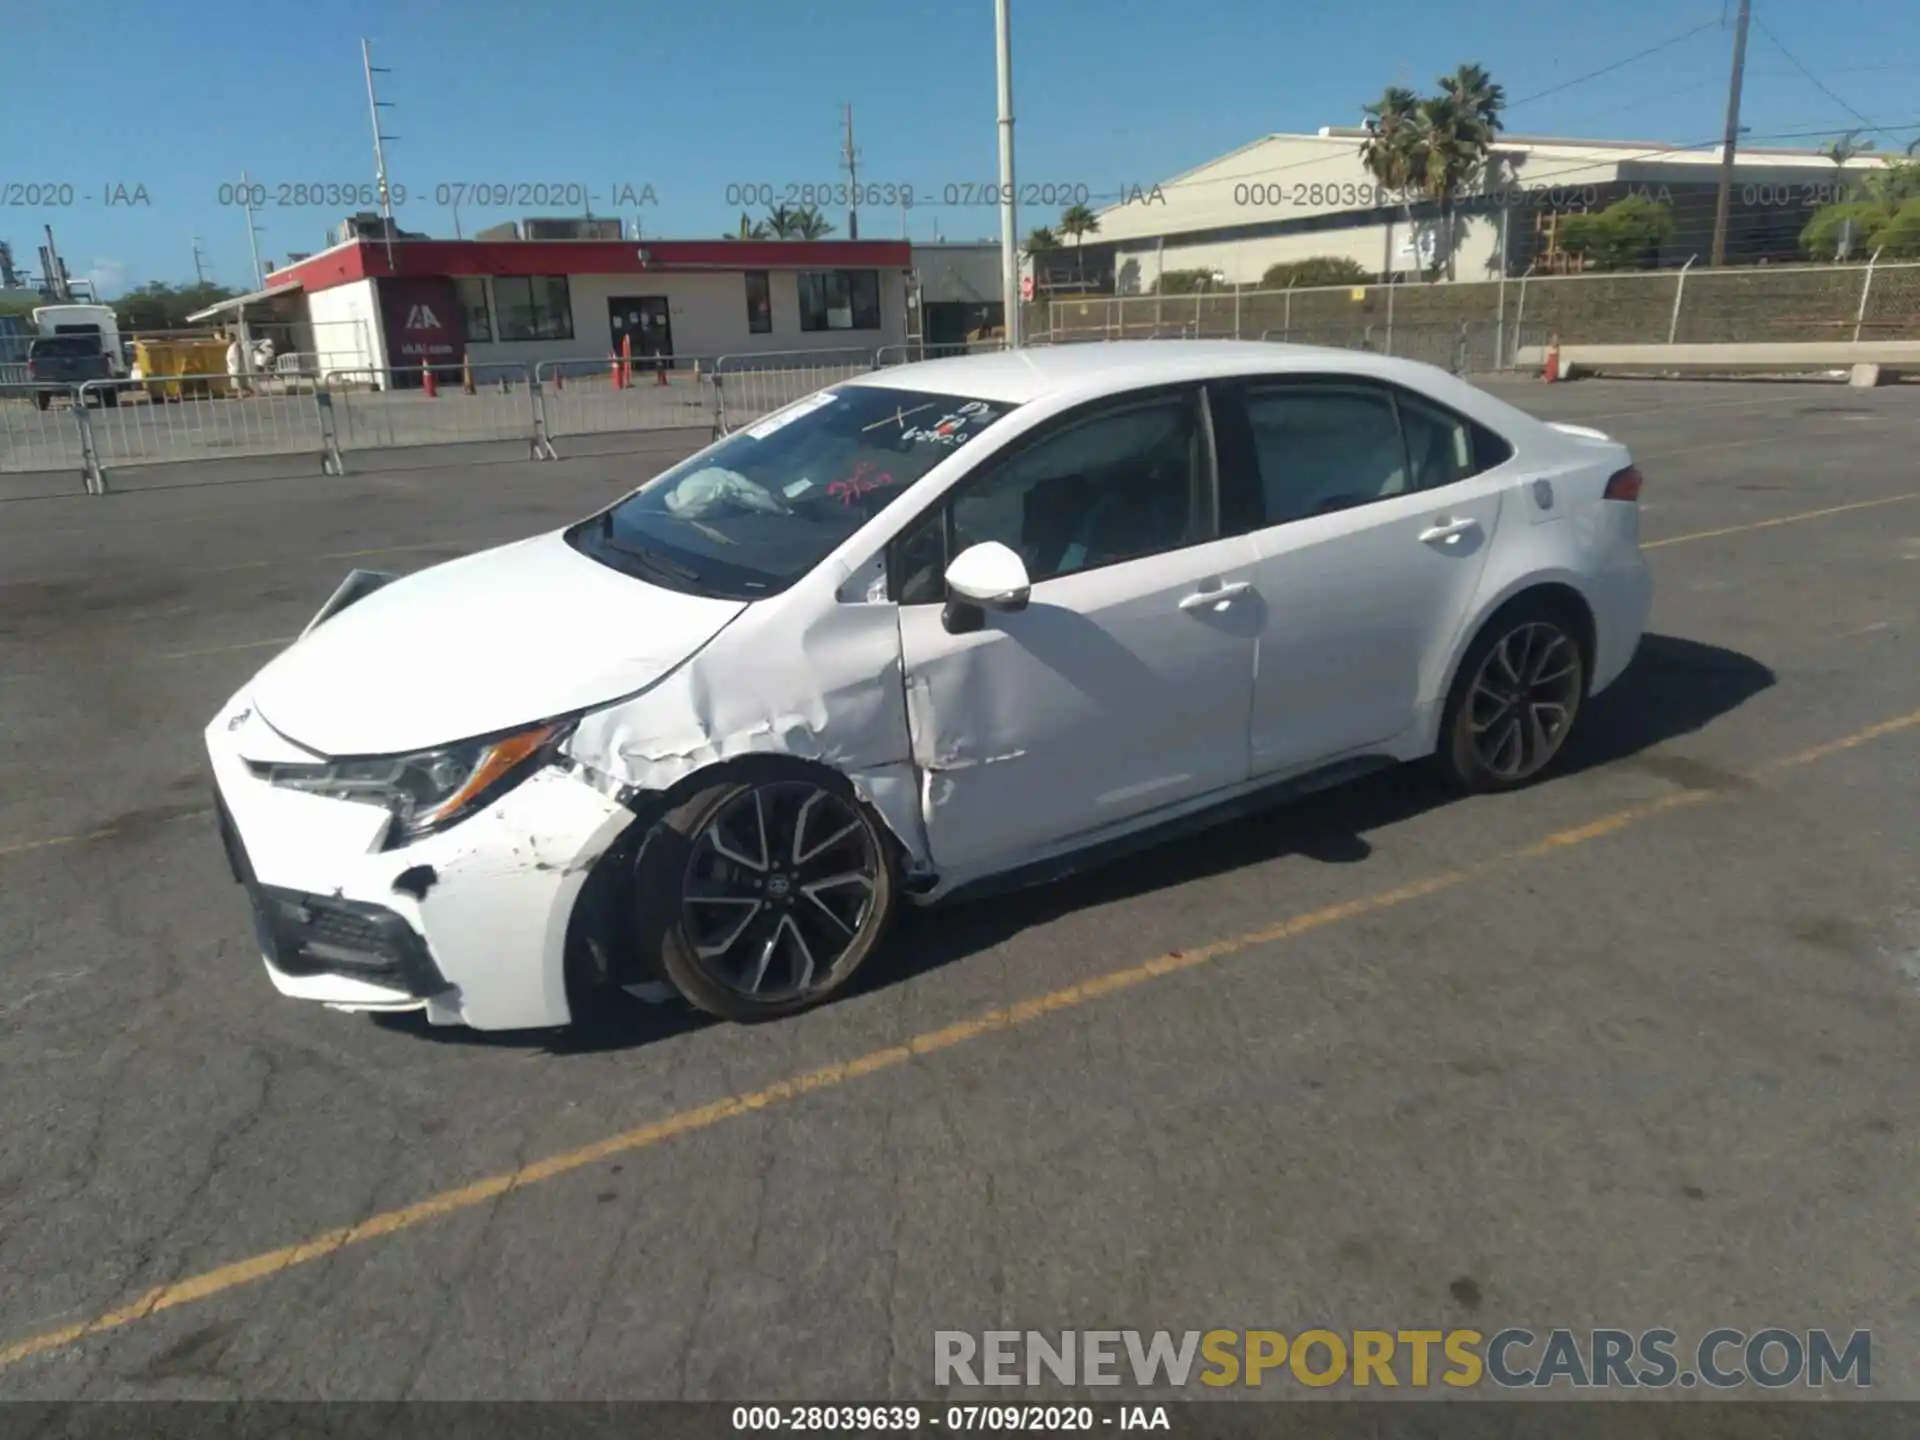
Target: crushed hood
(496, 639)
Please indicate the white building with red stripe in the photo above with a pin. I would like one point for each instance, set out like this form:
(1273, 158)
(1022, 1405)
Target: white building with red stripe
(371, 305)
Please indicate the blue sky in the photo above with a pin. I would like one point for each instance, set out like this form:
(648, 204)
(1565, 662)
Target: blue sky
(691, 98)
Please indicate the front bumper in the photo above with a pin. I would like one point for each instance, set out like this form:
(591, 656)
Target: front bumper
(469, 924)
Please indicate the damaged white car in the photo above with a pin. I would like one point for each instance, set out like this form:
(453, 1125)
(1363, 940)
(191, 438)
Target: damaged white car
(966, 622)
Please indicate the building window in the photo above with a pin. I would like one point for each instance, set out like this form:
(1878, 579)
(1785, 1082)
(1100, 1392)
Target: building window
(759, 303)
(471, 292)
(839, 299)
(533, 307)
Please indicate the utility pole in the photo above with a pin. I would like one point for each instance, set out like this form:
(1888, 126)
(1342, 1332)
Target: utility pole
(1009, 218)
(374, 105)
(1724, 204)
(199, 264)
(850, 158)
(253, 231)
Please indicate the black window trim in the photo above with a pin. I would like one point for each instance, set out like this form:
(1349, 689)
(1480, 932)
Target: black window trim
(746, 285)
(1207, 498)
(1235, 390)
(801, 278)
(493, 295)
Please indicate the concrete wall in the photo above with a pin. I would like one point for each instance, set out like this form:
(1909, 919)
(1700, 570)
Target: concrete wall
(347, 333)
(708, 316)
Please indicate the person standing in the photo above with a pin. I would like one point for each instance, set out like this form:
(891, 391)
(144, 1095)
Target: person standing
(236, 365)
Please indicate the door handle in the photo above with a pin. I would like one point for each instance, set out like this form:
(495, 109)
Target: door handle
(1442, 531)
(1207, 599)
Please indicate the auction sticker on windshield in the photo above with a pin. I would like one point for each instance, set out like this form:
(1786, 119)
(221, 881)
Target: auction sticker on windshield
(782, 418)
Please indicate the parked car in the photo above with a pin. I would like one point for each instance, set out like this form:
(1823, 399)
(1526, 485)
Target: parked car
(60, 364)
(962, 623)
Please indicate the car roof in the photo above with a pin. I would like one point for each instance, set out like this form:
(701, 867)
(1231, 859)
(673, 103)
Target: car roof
(1112, 366)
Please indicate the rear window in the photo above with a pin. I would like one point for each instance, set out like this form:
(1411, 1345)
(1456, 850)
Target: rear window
(62, 346)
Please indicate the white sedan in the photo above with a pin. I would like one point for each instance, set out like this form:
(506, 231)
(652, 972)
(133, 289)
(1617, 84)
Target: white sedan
(951, 625)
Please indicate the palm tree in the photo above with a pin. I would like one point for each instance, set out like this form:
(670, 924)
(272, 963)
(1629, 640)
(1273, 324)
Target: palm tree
(1041, 242)
(1473, 91)
(749, 230)
(1449, 149)
(1848, 147)
(1459, 126)
(1387, 152)
(804, 223)
(1079, 222)
(810, 224)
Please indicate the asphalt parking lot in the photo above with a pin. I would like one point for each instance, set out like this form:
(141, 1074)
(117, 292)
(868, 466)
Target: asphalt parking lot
(1634, 1048)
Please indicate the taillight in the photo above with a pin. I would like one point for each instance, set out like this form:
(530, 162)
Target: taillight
(1624, 485)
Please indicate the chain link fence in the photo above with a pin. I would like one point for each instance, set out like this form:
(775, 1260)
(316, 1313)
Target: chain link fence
(1749, 304)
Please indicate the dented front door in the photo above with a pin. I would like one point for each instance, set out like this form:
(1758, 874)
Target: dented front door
(1116, 692)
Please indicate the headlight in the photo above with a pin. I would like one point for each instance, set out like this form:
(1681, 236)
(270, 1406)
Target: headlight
(431, 789)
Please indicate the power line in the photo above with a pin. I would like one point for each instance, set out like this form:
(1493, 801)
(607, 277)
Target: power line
(1617, 65)
(1812, 78)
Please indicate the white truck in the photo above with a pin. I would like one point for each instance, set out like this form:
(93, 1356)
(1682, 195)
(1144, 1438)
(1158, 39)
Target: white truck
(80, 319)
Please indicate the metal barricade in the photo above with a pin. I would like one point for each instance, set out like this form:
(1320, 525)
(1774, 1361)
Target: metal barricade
(589, 396)
(35, 438)
(220, 418)
(911, 352)
(747, 387)
(397, 408)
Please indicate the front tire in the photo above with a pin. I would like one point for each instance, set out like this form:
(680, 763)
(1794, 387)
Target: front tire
(1514, 703)
(762, 893)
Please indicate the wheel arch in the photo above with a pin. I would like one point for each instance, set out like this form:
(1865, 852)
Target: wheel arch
(599, 952)
(1559, 589)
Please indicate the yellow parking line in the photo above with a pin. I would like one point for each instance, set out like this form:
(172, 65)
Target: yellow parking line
(21, 847)
(260, 1267)
(1794, 519)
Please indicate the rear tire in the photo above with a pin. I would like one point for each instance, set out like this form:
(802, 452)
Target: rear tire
(762, 893)
(1515, 700)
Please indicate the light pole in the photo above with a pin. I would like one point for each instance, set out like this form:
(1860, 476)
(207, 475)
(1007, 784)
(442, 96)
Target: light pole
(1723, 202)
(1009, 219)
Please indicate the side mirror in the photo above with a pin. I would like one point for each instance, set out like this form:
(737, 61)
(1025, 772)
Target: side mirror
(984, 577)
(991, 576)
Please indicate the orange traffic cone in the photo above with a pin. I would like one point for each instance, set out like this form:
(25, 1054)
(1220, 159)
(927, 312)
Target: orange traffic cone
(427, 381)
(626, 361)
(1551, 372)
(466, 373)
(613, 364)
(659, 373)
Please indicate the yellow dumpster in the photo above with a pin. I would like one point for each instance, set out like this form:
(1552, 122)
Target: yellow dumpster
(182, 369)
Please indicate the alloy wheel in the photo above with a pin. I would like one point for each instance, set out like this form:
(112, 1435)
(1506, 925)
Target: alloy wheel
(1523, 699)
(779, 885)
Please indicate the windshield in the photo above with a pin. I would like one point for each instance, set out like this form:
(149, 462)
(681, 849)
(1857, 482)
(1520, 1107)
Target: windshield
(750, 516)
(70, 345)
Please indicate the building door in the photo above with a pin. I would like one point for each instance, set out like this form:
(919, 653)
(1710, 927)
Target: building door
(641, 319)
